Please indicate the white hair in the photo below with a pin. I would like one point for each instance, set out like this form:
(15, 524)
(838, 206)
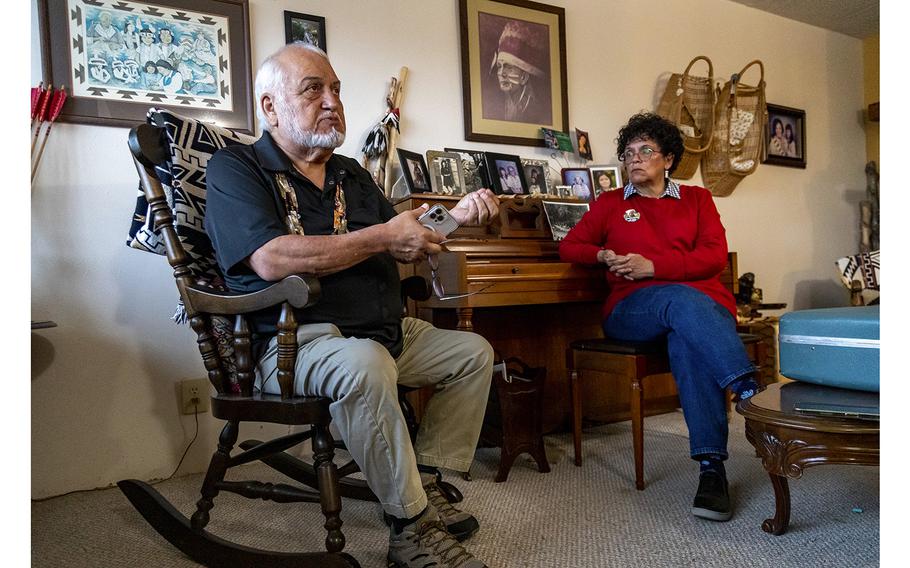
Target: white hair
(271, 76)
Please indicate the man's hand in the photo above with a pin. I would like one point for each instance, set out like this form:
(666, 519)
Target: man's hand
(476, 208)
(630, 266)
(409, 241)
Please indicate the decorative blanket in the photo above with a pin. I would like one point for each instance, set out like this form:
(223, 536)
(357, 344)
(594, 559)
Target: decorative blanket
(865, 268)
(191, 144)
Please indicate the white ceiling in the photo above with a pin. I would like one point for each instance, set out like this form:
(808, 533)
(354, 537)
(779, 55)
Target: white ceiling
(857, 18)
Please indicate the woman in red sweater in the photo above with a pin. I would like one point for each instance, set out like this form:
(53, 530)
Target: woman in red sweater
(664, 248)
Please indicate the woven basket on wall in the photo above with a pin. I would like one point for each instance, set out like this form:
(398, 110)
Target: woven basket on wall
(688, 102)
(740, 117)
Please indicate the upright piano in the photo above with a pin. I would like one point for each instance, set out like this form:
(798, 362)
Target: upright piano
(513, 289)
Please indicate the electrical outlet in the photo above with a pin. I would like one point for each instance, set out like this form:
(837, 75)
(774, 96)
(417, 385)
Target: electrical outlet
(194, 396)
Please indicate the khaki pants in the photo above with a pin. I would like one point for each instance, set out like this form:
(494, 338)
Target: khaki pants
(361, 378)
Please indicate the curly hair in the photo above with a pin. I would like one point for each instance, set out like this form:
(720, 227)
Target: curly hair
(649, 126)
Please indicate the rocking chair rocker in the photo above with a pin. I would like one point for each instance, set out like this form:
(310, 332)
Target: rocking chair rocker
(171, 151)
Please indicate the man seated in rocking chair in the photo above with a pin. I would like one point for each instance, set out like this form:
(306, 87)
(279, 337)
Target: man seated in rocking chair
(287, 204)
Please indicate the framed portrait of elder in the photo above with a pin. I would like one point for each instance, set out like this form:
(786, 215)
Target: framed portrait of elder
(513, 62)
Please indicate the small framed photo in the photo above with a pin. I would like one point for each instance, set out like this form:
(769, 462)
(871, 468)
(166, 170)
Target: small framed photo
(446, 172)
(785, 141)
(605, 178)
(415, 171)
(537, 174)
(474, 167)
(506, 173)
(579, 179)
(563, 191)
(563, 216)
(304, 27)
(584, 144)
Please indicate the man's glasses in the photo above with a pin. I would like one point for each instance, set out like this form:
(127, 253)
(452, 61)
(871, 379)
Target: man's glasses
(645, 153)
(433, 261)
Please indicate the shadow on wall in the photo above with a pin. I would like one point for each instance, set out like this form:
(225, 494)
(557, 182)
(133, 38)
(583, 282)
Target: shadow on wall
(43, 353)
(811, 294)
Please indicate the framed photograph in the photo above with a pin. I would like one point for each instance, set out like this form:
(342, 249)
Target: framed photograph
(563, 216)
(785, 141)
(474, 166)
(537, 174)
(507, 174)
(556, 140)
(579, 179)
(605, 178)
(414, 170)
(304, 27)
(446, 172)
(563, 191)
(119, 57)
(513, 63)
(584, 144)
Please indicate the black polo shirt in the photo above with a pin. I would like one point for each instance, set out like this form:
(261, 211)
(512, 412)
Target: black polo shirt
(245, 210)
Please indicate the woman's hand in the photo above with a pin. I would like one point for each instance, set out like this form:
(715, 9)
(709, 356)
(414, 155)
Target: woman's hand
(630, 266)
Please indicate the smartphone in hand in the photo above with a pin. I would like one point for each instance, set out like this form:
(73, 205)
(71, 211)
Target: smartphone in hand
(438, 219)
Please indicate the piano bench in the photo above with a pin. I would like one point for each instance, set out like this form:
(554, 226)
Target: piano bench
(632, 362)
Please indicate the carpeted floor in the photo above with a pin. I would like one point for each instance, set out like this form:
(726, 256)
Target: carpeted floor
(572, 517)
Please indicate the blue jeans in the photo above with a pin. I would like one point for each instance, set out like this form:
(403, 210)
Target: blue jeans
(705, 351)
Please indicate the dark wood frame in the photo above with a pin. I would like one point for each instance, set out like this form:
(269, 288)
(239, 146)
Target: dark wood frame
(799, 118)
(587, 172)
(495, 180)
(403, 157)
(531, 133)
(52, 19)
(318, 20)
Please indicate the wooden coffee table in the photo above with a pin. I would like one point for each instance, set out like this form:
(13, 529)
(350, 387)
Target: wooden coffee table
(787, 441)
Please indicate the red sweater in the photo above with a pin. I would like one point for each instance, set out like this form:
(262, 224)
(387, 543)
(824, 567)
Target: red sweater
(684, 238)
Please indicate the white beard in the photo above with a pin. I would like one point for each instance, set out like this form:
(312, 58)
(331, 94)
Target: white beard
(313, 139)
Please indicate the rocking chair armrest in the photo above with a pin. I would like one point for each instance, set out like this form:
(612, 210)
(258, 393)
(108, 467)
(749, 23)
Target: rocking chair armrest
(300, 290)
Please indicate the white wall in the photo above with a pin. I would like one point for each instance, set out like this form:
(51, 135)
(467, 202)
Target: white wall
(104, 405)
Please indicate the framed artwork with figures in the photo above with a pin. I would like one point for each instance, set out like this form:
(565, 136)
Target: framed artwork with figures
(121, 57)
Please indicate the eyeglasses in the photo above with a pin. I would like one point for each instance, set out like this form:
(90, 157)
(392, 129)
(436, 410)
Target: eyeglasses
(645, 153)
(433, 261)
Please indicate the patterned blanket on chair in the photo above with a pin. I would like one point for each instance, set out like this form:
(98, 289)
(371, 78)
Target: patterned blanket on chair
(191, 144)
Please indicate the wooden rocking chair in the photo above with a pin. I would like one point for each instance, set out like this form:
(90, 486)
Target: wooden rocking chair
(229, 364)
(170, 153)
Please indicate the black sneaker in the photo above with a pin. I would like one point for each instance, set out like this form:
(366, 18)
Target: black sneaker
(712, 501)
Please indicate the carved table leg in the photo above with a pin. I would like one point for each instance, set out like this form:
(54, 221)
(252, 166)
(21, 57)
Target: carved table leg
(465, 319)
(778, 525)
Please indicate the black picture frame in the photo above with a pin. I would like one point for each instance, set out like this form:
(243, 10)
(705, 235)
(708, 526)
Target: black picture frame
(507, 174)
(223, 25)
(488, 28)
(415, 171)
(301, 27)
(781, 150)
(476, 177)
(579, 179)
